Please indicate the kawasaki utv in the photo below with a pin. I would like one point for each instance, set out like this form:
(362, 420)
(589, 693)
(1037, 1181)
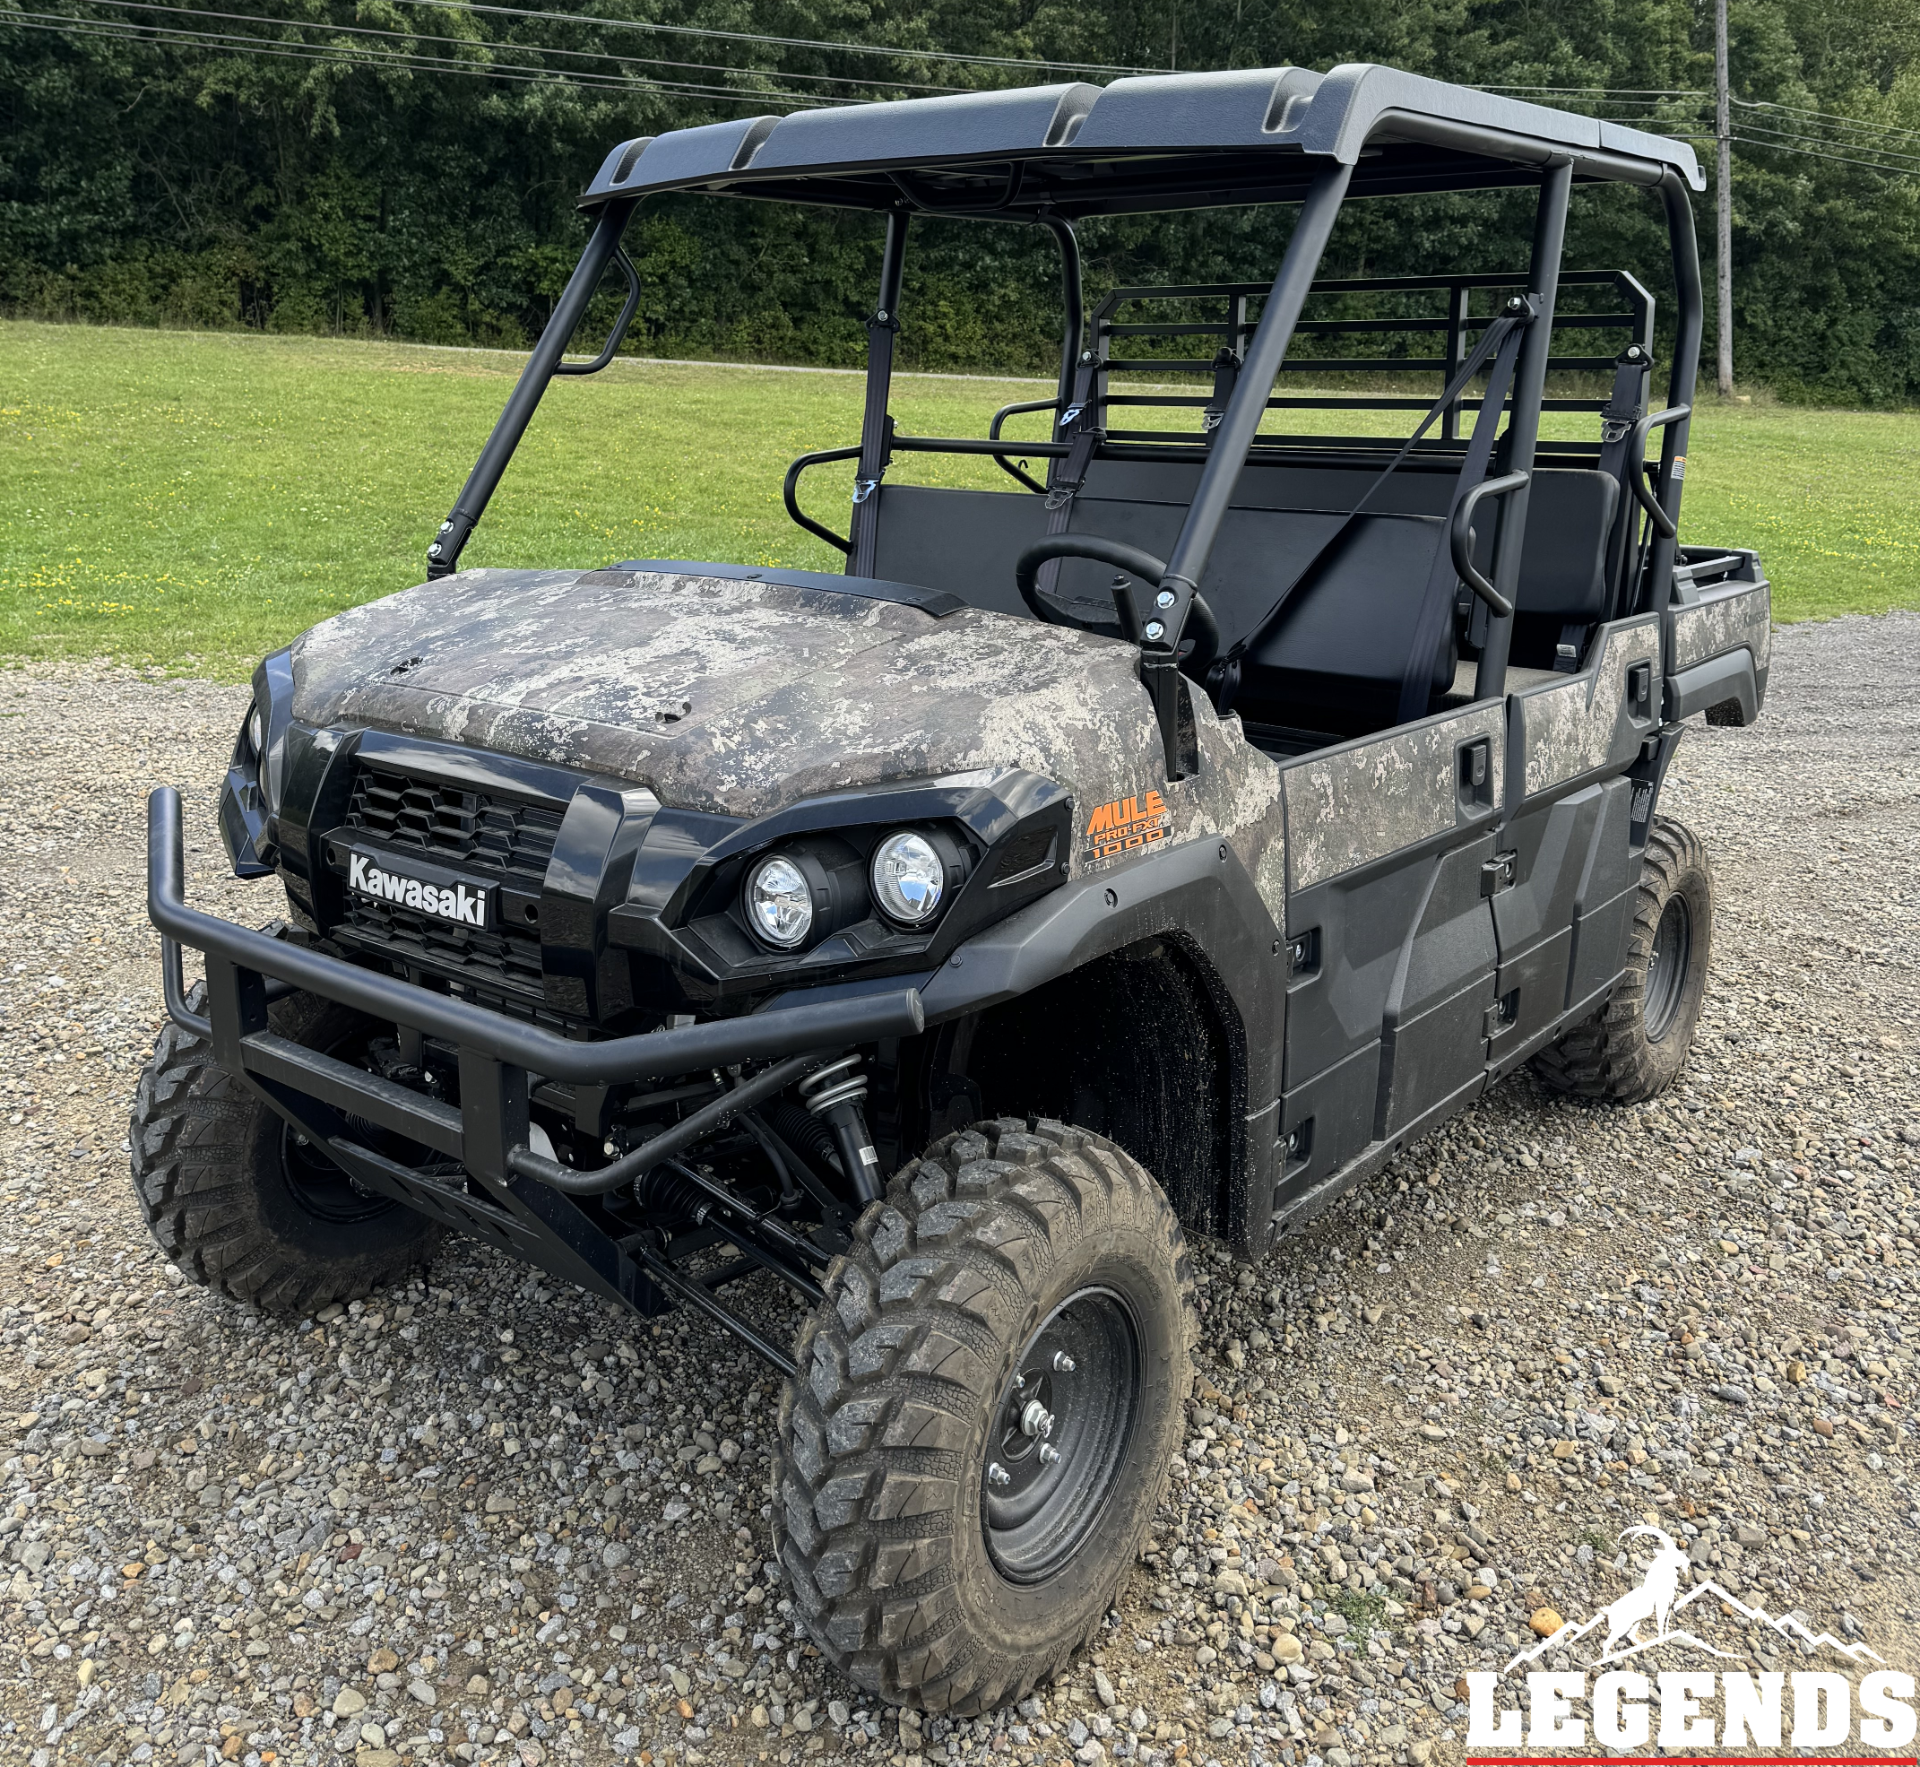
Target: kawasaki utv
(1151, 846)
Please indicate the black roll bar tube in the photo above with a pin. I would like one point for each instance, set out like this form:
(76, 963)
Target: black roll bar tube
(1690, 313)
(1523, 428)
(1663, 523)
(443, 556)
(993, 435)
(1460, 538)
(1248, 406)
(721, 1043)
(790, 493)
(627, 310)
(1073, 299)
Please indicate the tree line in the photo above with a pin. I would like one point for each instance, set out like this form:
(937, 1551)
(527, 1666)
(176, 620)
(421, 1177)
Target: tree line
(409, 167)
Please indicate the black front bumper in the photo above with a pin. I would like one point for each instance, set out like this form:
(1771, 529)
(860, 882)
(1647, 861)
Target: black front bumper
(499, 1061)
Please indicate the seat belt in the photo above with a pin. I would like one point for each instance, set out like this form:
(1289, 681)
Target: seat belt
(1085, 434)
(1431, 623)
(1223, 677)
(1226, 375)
(1623, 410)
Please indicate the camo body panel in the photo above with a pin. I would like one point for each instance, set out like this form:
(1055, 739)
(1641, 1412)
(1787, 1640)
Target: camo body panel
(1711, 628)
(1383, 794)
(1577, 726)
(740, 697)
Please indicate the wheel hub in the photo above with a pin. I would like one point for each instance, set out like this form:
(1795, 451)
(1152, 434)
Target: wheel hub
(1059, 1434)
(1667, 967)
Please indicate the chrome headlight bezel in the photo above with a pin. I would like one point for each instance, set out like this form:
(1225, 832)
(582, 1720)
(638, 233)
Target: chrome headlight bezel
(779, 912)
(938, 866)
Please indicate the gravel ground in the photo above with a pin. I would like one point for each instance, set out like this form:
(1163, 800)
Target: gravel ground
(487, 1521)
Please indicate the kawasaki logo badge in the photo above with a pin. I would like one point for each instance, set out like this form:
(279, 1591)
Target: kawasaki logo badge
(463, 904)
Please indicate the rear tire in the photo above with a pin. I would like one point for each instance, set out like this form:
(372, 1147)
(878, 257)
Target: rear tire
(238, 1202)
(936, 1553)
(1638, 1041)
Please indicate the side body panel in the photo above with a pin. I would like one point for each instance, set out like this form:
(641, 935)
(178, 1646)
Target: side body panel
(1438, 941)
(1391, 941)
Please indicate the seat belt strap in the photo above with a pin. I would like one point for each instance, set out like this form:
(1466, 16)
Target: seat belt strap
(1226, 375)
(1084, 433)
(876, 444)
(1223, 678)
(1435, 615)
(1623, 410)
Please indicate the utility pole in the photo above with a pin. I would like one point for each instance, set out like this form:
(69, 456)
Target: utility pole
(1723, 195)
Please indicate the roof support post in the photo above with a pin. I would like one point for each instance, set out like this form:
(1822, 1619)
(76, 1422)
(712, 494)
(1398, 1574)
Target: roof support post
(1523, 425)
(876, 427)
(1690, 313)
(1248, 406)
(443, 556)
(1073, 300)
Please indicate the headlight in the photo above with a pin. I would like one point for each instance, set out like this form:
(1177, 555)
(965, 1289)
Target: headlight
(778, 902)
(909, 878)
(256, 732)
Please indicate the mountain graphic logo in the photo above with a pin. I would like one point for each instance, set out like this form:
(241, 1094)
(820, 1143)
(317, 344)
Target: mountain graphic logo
(1658, 1599)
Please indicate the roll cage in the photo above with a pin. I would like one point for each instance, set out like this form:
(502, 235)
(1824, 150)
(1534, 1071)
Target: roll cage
(1049, 156)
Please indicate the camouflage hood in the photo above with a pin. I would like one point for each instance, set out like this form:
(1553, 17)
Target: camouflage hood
(727, 695)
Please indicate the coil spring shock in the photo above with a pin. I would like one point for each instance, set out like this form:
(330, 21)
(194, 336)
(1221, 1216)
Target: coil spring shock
(835, 1094)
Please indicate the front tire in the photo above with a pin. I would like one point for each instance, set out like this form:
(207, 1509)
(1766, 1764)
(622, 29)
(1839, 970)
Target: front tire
(238, 1202)
(972, 1453)
(1638, 1041)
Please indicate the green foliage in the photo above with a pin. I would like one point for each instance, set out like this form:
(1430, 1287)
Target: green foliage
(1366, 1612)
(195, 500)
(181, 183)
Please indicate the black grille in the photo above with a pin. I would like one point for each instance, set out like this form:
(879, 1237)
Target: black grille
(499, 837)
(511, 840)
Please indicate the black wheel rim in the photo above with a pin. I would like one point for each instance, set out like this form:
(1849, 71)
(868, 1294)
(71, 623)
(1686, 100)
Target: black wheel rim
(315, 1183)
(1667, 967)
(1059, 1434)
(320, 1187)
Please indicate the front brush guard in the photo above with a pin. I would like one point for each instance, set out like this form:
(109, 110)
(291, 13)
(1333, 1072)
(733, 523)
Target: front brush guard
(500, 1060)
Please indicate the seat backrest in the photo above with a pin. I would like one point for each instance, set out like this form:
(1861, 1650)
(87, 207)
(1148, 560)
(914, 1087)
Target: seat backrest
(1335, 657)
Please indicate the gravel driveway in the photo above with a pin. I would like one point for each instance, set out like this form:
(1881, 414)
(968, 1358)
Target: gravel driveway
(486, 1520)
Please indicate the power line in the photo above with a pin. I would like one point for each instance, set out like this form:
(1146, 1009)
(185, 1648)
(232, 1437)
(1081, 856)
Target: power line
(625, 24)
(1830, 117)
(364, 55)
(1604, 91)
(255, 18)
(1839, 159)
(1885, 153)
(359, 56)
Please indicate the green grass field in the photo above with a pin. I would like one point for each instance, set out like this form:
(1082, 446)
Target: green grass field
(193, 499)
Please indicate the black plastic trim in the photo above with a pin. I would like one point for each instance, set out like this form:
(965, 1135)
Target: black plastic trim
(491, 1035)
(1729, 676)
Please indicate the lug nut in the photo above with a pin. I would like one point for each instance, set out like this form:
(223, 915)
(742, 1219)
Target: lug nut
(1062, 1362)
(1048, 1454)
(1036, 1420)
(998, 1474)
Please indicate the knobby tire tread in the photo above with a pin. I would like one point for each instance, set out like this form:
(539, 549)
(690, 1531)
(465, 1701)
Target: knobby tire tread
(1607, 1055)
(193, 1176)
(874, 1441)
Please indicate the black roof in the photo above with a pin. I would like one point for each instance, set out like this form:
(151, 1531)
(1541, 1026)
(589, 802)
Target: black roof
(1162, 141)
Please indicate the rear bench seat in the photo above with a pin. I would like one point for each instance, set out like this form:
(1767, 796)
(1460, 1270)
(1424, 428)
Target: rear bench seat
(1334, 659)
